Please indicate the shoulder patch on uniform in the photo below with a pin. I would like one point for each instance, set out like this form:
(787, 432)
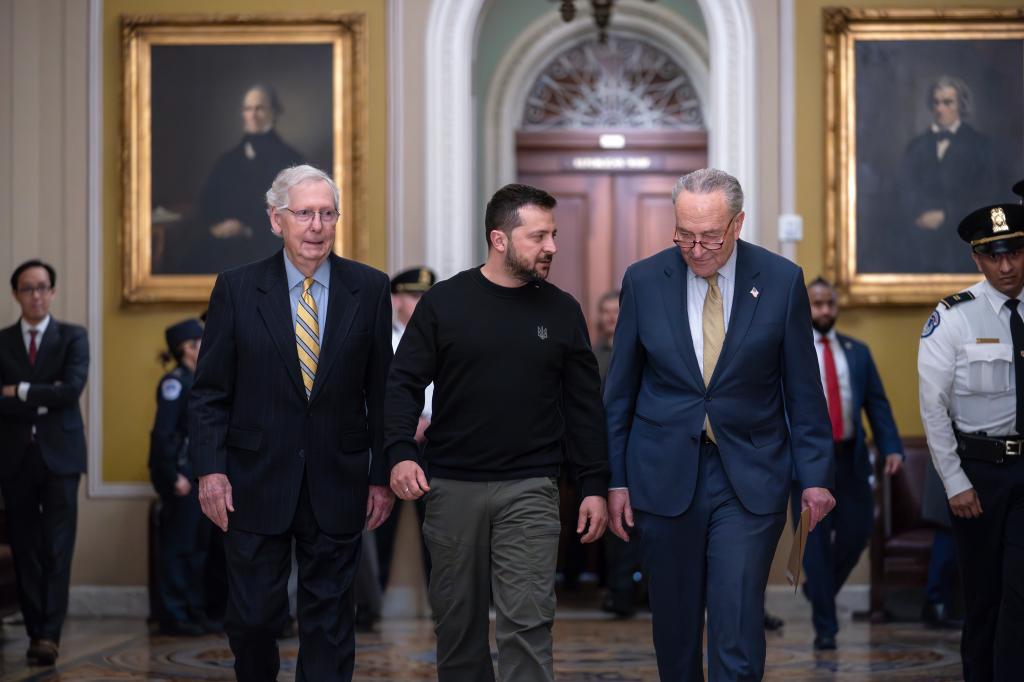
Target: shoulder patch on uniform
(956, 299)
(170, 389)
(931, 324)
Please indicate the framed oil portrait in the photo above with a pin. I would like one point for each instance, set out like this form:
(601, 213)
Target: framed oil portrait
(214, 108)
(924, 123)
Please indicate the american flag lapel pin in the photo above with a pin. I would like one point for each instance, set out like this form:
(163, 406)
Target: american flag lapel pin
(754, 292)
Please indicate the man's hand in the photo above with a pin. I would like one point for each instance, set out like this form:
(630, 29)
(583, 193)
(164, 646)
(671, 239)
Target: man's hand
(893, 464)
(232, 227)
(215, 499)
(619, 510)
(595, 510)
(966, 505)
(182, 486)
(421, 430)
(378, 506)
(408, 480)
(931, 220)
(819, 501)
(10, 391)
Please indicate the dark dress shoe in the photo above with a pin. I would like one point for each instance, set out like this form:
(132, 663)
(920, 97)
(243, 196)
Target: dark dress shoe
(772, 623)
(936, 616)
(824, 643)
(181, 628)
(43, 651)
(618, 607)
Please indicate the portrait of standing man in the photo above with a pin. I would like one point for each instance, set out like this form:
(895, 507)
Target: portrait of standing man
(713, 404)
(516, 391)
(43, 368)
(285, 411)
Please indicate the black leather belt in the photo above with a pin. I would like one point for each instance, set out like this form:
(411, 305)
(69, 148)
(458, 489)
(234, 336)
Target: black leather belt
(989, 449)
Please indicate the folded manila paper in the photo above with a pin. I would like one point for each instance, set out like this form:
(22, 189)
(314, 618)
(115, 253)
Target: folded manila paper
(796, 552)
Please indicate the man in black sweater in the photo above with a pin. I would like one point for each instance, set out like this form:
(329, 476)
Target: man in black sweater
(516, 390)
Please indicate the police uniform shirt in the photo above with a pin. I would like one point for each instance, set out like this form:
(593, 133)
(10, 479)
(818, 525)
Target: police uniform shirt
(965, 365)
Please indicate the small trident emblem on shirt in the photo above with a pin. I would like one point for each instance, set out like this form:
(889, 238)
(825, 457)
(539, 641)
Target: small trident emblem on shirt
(542, 333)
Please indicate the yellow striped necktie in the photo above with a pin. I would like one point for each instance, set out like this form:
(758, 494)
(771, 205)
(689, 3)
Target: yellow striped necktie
(307, 335)
(713, 323)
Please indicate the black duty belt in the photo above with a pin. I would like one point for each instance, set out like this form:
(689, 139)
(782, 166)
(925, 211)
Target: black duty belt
(989, 449)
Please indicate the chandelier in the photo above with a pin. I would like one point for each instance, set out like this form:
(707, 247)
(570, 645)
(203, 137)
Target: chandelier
(602, 11)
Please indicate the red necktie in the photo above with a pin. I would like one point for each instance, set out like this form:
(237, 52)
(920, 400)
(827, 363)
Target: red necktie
(835, 401)
(32, 346)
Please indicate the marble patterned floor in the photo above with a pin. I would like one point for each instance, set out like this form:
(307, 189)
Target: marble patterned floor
(588, 646)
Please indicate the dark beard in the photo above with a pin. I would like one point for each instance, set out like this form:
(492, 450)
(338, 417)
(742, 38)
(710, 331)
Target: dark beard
(823, 329)
(515, 267)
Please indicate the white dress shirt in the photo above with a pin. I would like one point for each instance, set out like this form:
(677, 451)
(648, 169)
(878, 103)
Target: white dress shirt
(965, 366)
(843, 373)
(696, 291)
(40, 329)
(942, 146)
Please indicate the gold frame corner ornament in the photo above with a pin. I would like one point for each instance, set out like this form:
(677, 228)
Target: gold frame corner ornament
(346, 33)
(843, 28)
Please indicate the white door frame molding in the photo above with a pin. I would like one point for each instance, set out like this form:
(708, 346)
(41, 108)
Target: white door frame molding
(549, 35)
(450, 135)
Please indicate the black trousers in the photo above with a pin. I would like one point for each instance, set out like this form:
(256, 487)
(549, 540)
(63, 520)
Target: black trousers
(990, 553)
(42, 513)
(258, 568)
(182, 557)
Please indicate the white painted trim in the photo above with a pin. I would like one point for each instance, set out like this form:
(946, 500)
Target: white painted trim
(549, 35)
(787, 117)
(106, 601)
(450, 176)
(396, 137)
(450, 52)
(95, 485)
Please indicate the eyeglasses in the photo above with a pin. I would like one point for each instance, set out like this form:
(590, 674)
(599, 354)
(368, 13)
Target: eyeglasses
(305, 216)
(685, 241)
(42, 290)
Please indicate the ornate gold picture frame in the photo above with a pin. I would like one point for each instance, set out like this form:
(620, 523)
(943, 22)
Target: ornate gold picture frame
(924, 123)
(212, 105)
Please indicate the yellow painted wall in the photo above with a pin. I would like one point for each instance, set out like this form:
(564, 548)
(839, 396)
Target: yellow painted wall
(133, 334)
(891, 332)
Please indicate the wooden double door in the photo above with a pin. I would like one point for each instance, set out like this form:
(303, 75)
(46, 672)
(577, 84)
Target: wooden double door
(614, 206)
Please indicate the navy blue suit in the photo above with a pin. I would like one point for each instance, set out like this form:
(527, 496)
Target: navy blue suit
(709, 517)
(298, 468)
(828, 559)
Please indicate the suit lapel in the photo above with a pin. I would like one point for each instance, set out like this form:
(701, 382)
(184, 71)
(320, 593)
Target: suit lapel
(341, 310)
(275, 309)
(674, 296)
(852, 366)
(744, 303)
(16, 341)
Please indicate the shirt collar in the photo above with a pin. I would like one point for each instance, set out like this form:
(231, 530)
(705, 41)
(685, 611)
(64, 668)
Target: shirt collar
(322, 276)
(936, 128)
(41, 327)
(727, 271)
(833, 338)
(995, 298)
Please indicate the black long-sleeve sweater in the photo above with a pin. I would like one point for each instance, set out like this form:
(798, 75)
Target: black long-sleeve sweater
(516, 386)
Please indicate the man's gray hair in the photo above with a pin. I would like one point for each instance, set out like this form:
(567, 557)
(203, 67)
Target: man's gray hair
(709, 181)
(963, 93)
(277, 195)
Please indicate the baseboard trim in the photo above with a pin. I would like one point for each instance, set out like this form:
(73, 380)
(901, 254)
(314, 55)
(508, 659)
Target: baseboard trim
(106, 601)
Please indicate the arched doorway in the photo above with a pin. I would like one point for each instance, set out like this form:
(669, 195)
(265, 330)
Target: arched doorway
(608, 128)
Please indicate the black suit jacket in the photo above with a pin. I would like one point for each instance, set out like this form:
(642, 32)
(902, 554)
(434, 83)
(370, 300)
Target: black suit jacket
(55, 382)
(249, 417)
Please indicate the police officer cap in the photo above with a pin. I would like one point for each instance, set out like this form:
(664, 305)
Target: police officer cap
(413, 281)
(1018, 189)
(994, 229)
(183, 331)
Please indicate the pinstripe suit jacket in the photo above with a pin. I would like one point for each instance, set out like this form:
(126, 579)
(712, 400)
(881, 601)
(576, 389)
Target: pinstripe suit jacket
(249, 417)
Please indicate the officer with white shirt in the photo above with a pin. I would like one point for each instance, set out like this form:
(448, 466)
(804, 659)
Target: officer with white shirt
(970, 363)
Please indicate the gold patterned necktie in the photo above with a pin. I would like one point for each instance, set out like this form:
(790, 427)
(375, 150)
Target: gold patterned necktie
(713, 323)
(307, 335)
